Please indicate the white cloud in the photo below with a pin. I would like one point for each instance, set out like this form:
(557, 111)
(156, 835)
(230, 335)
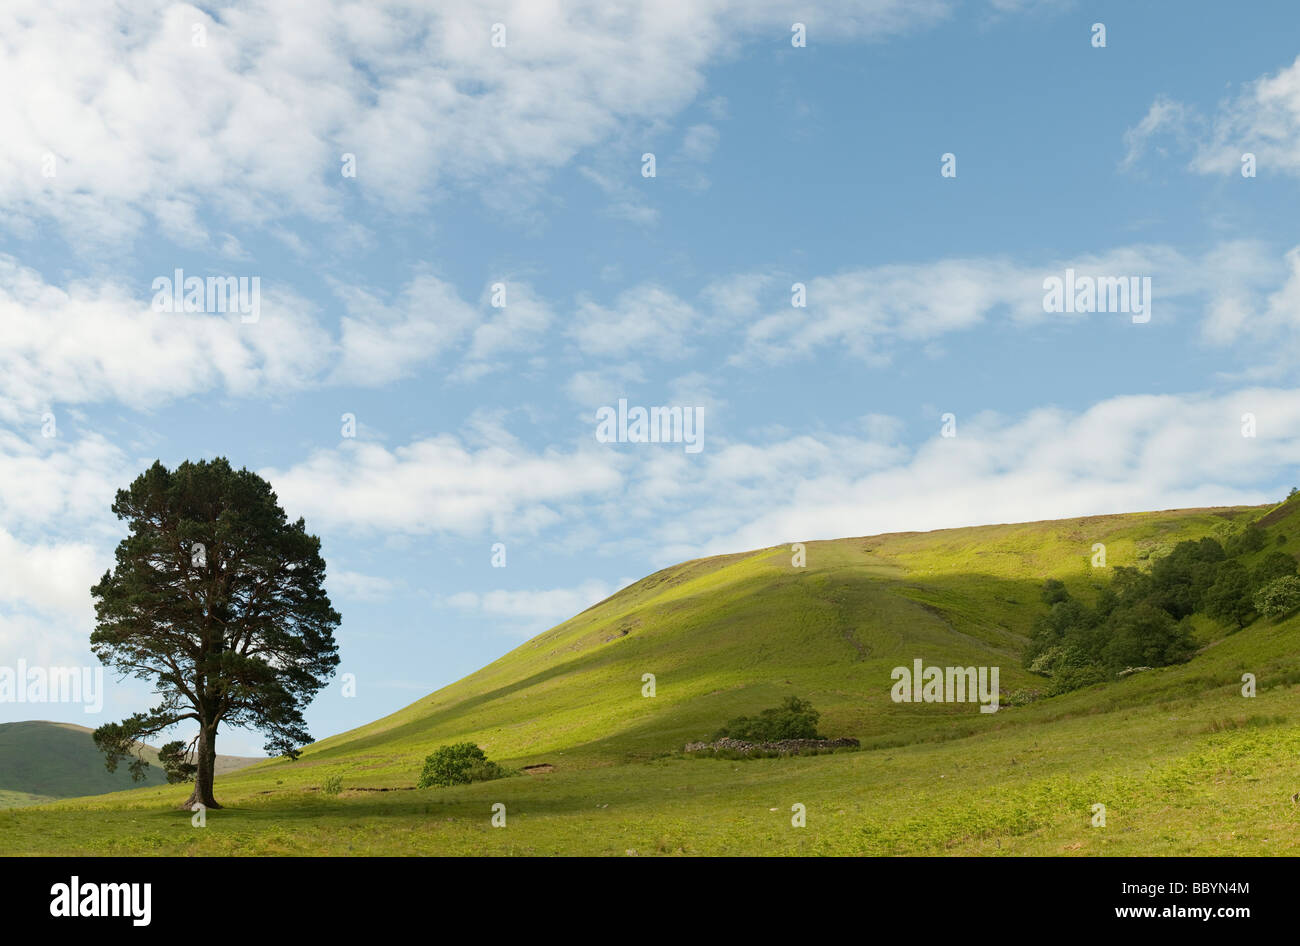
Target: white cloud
(1264, 119)
(625, 201)
(382, 342)
(1128, 453)
(439, 485)
(534, 610)
(738, 296)
(359, 586)
(52, 578)
(59, 485)
(597, 387)
(1165, 116)
(869, 312)
(121, 96)
(646, 321)
(93, 342)
(518, 326)
(700, 142)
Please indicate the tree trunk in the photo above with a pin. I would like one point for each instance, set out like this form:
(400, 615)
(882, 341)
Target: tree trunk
(207, 763)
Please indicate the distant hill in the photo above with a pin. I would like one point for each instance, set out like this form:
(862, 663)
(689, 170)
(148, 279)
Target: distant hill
(41, 761)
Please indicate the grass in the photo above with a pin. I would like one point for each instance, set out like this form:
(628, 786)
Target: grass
(1183, 763)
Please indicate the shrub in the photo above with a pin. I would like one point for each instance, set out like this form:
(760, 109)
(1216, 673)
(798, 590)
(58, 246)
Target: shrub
(1054, 591)
(1146, 636)
(1275, 565)
(793, 719)
(1045, 661)
(1229, 598)
(1251, 539)
(1152, 550)
(332, 785)
(1072, 678)
(1279, 597)
(1021, 697)
(485, 771)
(451, 765)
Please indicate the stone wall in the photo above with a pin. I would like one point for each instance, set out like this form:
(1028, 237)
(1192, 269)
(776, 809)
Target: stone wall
(786, 746)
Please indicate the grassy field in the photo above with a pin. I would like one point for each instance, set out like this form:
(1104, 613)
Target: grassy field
(1181, 760)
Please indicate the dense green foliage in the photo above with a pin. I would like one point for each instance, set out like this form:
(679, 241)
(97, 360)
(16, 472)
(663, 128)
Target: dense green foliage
(218, 600)
(1279, 597)
(793, 719)
(1143, 619)
(459, 764)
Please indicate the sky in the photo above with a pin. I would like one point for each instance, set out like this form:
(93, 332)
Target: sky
(464, 260)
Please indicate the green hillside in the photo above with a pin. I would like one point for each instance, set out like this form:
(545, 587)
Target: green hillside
(1183, 762)
(57, 760)
(41, 761)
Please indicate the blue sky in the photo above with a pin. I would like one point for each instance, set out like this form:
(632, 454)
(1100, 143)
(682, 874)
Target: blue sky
(522, 165)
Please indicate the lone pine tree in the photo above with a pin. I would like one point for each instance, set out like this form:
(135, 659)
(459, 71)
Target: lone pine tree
(218, 600)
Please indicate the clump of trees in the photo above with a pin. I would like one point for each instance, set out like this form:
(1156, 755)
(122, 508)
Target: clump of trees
(1143, 618)
(793, 719)
(459, 764)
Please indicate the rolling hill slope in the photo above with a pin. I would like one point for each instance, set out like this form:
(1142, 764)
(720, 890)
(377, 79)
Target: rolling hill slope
(733, 634)
(42, 761)
(1183, 761)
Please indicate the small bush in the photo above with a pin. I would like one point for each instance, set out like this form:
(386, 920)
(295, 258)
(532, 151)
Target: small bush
(1274, 566)
(332, 785)
(793, 719)
(485, 771)
(1054, 591)
(1074, 678)
(1021, 697)
(1279, 597)
(459, 764)
(1251, 539)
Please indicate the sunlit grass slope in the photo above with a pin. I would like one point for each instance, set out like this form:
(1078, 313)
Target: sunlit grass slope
(1182, 760)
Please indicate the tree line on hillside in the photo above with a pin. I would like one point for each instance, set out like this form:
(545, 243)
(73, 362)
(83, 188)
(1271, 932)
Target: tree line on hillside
(1142, 618)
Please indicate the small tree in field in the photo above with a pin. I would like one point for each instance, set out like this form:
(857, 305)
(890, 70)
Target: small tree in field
(1279, 597)
(458, 764)
(793, 719)
(218, 600)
